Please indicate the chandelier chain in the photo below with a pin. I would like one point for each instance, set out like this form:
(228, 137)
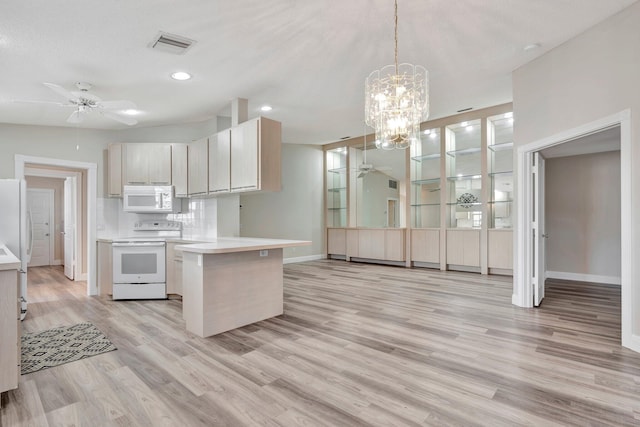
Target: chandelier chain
(396, 35)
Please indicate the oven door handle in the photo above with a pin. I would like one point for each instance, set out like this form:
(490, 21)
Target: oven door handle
(132, 245)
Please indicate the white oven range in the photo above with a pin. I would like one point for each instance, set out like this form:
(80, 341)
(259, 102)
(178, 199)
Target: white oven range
(139, 270)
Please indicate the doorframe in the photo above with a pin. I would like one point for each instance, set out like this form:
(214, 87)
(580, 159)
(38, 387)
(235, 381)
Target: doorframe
(52, 215)
(91, 195)
(522, 290)
(79, 232)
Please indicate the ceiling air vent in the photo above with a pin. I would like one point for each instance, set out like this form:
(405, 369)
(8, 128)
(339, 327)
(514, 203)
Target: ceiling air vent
(171, 43)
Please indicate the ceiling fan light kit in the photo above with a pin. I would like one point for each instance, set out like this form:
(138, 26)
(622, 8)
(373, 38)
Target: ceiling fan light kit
(397, 101)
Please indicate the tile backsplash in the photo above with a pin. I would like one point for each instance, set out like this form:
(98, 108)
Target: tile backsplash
(199, 221)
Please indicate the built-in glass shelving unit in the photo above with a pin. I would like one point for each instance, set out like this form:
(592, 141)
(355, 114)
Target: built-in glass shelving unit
(500, 166)
(425, 180)
(337, 187)
(464, 174)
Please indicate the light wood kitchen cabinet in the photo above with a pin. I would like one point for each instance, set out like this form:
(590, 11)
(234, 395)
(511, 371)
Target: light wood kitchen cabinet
(336, 241)
(463, 247)
(198, 160)
(9, 330)
(382, 244)
(174, 269)
(105, 268)
(394, 244)
(256, 155)
(114, 170)
(147, 164)
(500, 248)
(220, 162)
(425, 245)
(179, 169)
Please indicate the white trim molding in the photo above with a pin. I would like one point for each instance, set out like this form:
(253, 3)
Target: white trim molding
(590, 278)
(522, 289)
(91, 194)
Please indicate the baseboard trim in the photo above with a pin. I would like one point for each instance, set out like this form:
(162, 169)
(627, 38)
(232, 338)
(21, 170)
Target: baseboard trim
(303, 259)
(591, 278)
(633, 343)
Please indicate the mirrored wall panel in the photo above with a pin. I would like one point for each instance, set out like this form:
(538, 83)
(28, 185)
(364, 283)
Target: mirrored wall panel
(379, 177)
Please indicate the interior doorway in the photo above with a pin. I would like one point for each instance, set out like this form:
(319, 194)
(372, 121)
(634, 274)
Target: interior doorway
(87, 198)
(530, 236)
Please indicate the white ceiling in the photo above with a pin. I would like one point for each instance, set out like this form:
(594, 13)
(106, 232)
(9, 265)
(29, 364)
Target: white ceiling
(308, 59)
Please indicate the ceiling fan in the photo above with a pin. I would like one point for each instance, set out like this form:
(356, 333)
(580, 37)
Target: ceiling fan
(364, 168)
(84, 103)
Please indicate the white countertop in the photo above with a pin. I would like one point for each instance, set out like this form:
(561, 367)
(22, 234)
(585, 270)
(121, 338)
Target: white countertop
(223, 245)
(8, 261)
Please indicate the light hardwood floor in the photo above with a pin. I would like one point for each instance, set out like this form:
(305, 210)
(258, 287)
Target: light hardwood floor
(358, 345)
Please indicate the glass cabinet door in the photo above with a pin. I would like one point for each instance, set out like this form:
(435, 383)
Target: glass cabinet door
(464, 174)
(337, 187)
(500, 158)
(425, 180)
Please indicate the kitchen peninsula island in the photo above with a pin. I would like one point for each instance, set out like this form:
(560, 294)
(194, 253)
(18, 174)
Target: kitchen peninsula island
(232, 282)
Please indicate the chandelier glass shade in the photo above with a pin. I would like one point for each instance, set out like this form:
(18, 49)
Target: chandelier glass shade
(397, 101)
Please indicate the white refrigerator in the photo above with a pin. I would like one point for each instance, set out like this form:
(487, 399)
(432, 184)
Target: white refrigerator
(15, 229)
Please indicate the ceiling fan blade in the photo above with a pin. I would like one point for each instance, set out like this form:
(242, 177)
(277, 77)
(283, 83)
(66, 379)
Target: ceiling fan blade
(384, 169)
(76, 117)
(117, 105)
(363, 173)
(61, 91)
(28, 101)
(122, 119)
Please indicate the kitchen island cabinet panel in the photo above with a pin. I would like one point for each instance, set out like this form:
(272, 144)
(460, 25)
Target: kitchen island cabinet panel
(231, 290)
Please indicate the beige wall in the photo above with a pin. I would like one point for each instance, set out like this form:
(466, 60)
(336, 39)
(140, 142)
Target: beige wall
(296, 212)
(582, 203)
(593, 76)
(57, 185)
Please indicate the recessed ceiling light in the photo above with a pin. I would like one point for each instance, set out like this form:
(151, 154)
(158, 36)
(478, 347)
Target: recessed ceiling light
(464, 124)
(266, 108)
(433, 135)
(469, 128)
(508, 115)
(131, 112)
(180, 75)
(427, 132)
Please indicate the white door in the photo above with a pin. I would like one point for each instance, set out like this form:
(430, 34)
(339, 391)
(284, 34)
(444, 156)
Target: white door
(40, 205)
(537, 226)
(69, 230)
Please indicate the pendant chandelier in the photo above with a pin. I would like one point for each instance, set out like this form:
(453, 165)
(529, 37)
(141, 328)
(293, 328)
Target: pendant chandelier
(397, 101)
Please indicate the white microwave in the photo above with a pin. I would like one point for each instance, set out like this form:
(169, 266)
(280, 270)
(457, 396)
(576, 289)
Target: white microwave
(148, 199)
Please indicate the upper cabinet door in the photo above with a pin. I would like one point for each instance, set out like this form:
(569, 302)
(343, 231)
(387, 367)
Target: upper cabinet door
(244, 156)
(159, 164)
(136, 170)
(147, 164)
(114, 181)
(179, 169)
(198, 159)
(220, 162)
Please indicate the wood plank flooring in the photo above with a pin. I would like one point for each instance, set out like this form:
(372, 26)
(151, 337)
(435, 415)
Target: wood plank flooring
(358, 345)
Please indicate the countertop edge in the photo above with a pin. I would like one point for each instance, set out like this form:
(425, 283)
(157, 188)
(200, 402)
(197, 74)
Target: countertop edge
(8, 261)
(222, 246)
